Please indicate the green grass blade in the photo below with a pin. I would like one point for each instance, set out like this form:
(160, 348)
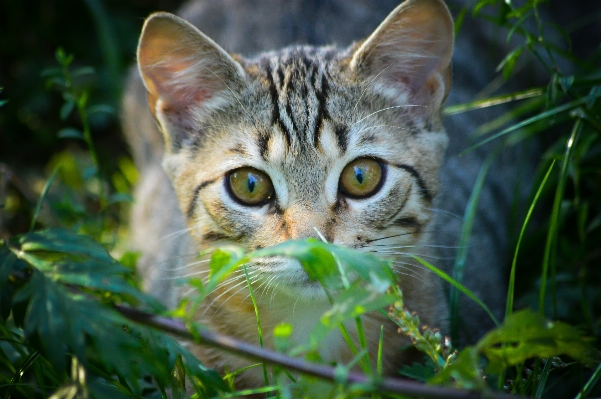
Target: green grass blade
(590, 384)
(260, 331)
(492, 101)
(550, 246)
(536, 118)
(38, 206)
(380, 351)
(458, 286)
(466, 231)
(511, 288)
(541, 381)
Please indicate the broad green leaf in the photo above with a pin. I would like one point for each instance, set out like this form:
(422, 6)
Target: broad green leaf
(78, 260)
(319, 261)
(314, 256)
(47, 320)
(525, 335)
(64, 241)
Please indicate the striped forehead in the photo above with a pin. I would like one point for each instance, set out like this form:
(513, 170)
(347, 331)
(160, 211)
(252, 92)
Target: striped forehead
(299, 84)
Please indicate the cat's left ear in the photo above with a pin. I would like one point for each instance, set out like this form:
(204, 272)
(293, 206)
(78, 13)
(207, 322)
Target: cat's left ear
(409, 54)
(186, 75)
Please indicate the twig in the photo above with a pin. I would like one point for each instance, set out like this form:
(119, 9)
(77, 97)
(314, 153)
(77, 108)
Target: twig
(388, 385)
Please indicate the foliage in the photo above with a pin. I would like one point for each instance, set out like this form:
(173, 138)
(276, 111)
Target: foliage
(62, 336)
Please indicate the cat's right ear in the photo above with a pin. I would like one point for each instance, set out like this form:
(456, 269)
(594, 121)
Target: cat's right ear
(409, 54)
(186, 75)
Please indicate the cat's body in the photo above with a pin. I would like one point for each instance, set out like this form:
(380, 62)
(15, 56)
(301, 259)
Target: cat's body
(299, 117)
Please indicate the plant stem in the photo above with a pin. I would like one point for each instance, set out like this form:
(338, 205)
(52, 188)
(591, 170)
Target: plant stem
(389, 385)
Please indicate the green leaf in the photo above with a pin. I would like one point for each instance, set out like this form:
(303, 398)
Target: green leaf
(64, 241)
(119, 198)
(566, 82)
(88, 70)
(348, 305)
(46, 321)
(48, 72)
(509, 61)
(63, 58)
(38, 206)
(525, 335)
(314, 256)
(419, 371)
(69, 133)
(104, 108)
(319, 261)
(78, 260)
(464, 372)
(64, 113)
(7, 264)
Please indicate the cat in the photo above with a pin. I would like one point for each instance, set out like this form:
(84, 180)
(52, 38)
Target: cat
(283, 144)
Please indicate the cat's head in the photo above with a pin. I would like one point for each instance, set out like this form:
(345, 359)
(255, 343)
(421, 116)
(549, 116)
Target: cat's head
(303, 142)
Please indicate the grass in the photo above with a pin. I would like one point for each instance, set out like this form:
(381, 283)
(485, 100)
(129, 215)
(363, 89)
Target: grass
(553, 268)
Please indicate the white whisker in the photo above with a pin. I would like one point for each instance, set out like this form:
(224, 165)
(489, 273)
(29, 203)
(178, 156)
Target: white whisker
(177, 233)
(386, 109)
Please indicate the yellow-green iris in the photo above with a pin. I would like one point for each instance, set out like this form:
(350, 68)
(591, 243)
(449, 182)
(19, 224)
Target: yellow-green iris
(361, 177)
(250, 186)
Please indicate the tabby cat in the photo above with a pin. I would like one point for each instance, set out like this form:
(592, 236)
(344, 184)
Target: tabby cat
(307, 141)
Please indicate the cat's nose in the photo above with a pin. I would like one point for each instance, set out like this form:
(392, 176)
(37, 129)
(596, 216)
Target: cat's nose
(302, 221)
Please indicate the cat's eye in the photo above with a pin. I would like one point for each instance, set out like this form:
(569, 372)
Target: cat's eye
(250, 186)
(361, 178)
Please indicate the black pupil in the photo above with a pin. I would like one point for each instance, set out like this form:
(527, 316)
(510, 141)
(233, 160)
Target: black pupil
(358, 174)
(252, 181)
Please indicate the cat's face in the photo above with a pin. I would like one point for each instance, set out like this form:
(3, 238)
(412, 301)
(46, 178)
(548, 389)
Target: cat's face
(305, 142)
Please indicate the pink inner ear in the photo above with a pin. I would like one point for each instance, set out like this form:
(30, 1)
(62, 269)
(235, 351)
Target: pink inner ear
(178, 85)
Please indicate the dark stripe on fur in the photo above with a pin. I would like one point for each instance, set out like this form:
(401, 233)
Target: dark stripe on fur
(192, 205)
(420, 182)
(341, 137)
(279, 122)
(322, 112)
(263, 143)
(275, 111)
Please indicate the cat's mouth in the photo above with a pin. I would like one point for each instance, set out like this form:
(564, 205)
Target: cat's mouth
(286, 276)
